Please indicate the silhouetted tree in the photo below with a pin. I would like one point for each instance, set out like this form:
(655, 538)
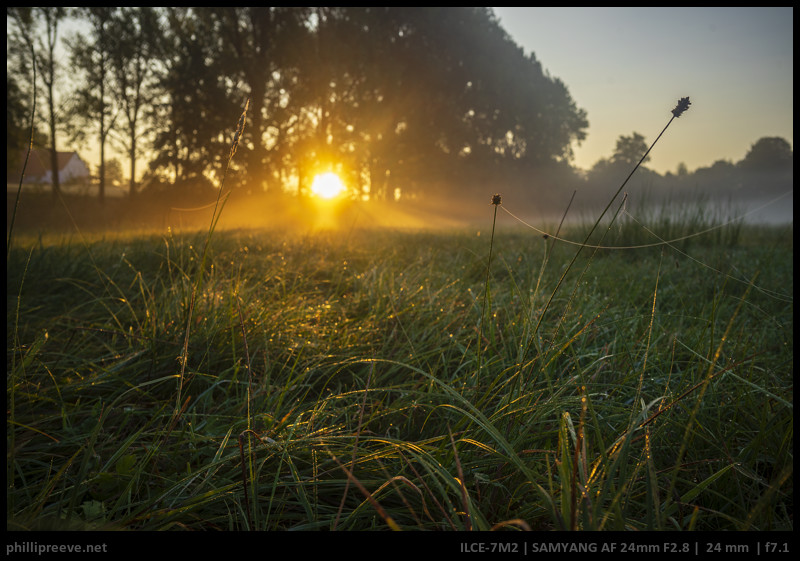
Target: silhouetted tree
(27, 22)
(391, 97)
(629, 150)
(768, 154)
(720, 179)
(412, 94)
(605, 176)
(256, 45)
(92, 103)
(18, 125)
(768, 167)
(133, 41)
(338, 91)
(194, 111)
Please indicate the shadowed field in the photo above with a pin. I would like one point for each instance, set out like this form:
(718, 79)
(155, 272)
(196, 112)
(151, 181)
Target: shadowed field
(375, 378)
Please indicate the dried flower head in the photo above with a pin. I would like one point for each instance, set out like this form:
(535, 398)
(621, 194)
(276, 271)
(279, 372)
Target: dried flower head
(683, 105)
(239, 128)
(497, 199)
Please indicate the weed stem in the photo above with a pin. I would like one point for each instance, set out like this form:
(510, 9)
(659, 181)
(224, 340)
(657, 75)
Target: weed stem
(496, 201)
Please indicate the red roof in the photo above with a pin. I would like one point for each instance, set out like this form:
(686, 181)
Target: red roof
(38, 164)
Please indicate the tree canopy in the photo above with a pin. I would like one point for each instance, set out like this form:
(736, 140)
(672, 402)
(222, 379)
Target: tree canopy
(396, 99)
(769, 154)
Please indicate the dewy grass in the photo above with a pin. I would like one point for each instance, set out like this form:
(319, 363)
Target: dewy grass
(347, 366)
(313, 324)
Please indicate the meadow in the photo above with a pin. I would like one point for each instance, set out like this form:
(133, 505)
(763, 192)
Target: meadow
(380, 378)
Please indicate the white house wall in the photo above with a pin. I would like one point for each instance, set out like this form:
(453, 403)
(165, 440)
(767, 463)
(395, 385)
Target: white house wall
(75, 168)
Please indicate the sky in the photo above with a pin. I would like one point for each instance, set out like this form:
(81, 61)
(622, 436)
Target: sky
(627, 68)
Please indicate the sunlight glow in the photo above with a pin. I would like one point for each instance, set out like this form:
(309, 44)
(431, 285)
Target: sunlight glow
(327, 185)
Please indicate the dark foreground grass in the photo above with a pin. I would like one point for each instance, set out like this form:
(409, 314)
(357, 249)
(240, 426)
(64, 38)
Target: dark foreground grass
(332, 381)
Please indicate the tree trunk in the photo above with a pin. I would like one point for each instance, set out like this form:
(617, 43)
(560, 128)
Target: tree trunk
(53, 153)
(102, 170)
(132, 188)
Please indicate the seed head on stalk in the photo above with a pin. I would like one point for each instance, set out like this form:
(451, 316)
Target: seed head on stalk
(683, 105)
(239, 130)
(497, 200)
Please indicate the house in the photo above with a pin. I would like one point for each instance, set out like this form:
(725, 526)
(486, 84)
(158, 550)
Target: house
(72, 170)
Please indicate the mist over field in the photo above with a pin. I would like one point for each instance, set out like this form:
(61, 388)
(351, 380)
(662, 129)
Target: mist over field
(37, 212)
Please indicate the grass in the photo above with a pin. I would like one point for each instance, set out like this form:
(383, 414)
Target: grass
(656, 393)
(386, 379)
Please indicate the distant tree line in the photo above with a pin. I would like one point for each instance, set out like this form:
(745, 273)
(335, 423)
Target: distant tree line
(415, 101)
(765, 171)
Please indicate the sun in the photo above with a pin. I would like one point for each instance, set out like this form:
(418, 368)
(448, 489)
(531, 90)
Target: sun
(327, 185)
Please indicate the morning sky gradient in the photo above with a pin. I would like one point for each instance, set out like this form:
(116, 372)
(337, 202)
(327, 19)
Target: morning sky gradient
(627, 67)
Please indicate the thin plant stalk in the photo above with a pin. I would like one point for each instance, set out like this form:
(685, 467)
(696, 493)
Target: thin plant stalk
(199, 275)
(683, 105)
(496, 201)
